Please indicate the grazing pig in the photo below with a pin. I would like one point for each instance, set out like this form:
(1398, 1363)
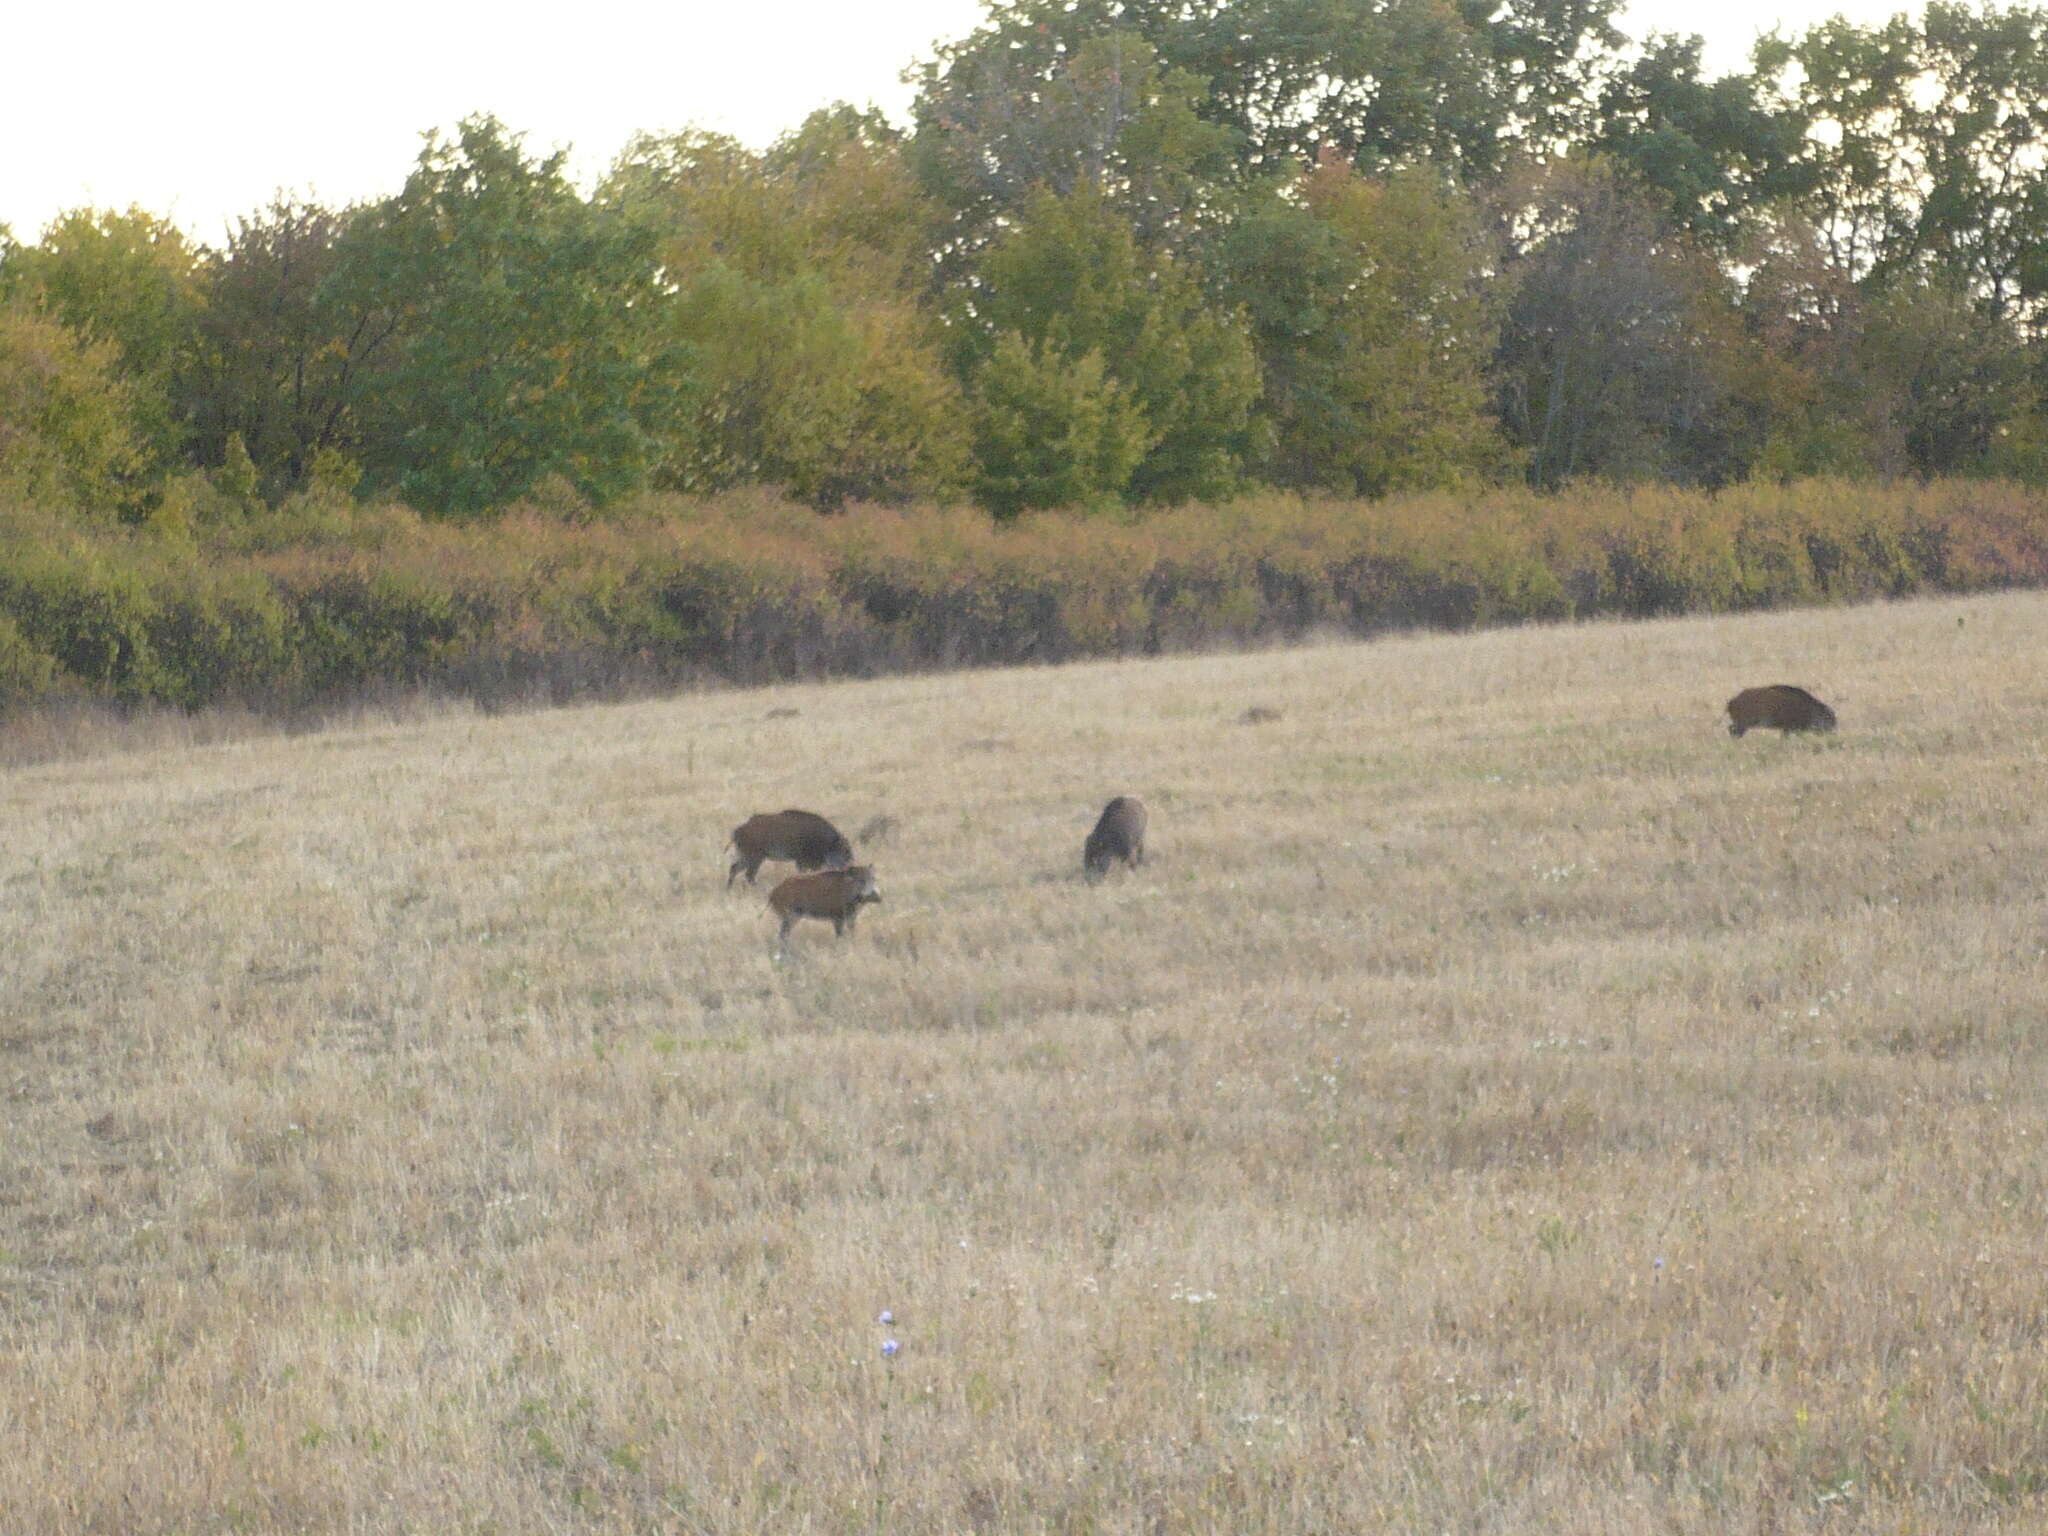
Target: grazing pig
(1780, 707)
(833, 894)
(806, 839)
(1119, 834)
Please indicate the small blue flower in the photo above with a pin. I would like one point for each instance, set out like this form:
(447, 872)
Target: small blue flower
(889, 1348)
(1660, 1262)
(886, 1318)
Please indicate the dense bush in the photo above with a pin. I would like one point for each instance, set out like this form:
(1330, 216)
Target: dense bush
(323, 602)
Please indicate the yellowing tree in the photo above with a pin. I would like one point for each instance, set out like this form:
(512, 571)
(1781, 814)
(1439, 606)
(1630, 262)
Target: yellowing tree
(130, 282)
(68, 439)
(795, 280)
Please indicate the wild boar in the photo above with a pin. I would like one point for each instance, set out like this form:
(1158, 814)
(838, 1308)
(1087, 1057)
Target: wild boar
(835, 895)
(1119, 834)
(1780, 707)
(803, 837)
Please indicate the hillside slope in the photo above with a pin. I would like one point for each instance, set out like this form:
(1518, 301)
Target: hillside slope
(1502, 1101)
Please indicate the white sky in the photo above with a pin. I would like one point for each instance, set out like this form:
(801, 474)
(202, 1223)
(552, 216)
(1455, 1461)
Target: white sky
(199, 113)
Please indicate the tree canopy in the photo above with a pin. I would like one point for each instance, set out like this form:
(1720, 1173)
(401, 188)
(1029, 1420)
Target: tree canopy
(1123, 252)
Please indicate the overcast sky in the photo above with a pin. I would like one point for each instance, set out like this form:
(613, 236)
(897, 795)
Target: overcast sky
(201, 112)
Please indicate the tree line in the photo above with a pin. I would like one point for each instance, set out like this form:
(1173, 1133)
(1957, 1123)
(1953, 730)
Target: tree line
(1126, 253)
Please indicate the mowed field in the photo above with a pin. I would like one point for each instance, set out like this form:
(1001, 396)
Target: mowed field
(1502, 1102)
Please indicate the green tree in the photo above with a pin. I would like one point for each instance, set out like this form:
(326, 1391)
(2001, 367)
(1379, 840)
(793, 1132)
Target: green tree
(68, 436)
(1070, 280)
(797, 279)
(1711, 148)
(1848, 89)
(1052, 430)
(1007, 114)
(1911, 377)
(864, 220)
(705, 199)
(1802, 319)
(131, 282)
(836, 198)
(1981, 121)
(1375, 319)
(237, 480)
(1953, 380)
(515, 332)
(1383, 82)
(280, 353)
(1927, 146)
(834, 401)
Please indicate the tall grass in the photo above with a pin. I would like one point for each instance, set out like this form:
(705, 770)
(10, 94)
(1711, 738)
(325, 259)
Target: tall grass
(323, 602)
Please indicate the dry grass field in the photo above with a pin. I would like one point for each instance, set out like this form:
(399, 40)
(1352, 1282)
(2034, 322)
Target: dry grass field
(1502, 1102)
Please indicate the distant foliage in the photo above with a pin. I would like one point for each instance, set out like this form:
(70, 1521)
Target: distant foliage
(132, 284)
(68, 435)
(1052, 430)
(793, 284)
(1072, 283)
(517, 332)
(1620, 352)
(1125, 254)
(1373, 318)
(281, 347)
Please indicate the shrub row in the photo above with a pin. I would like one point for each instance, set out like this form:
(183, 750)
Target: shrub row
(322, 601)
